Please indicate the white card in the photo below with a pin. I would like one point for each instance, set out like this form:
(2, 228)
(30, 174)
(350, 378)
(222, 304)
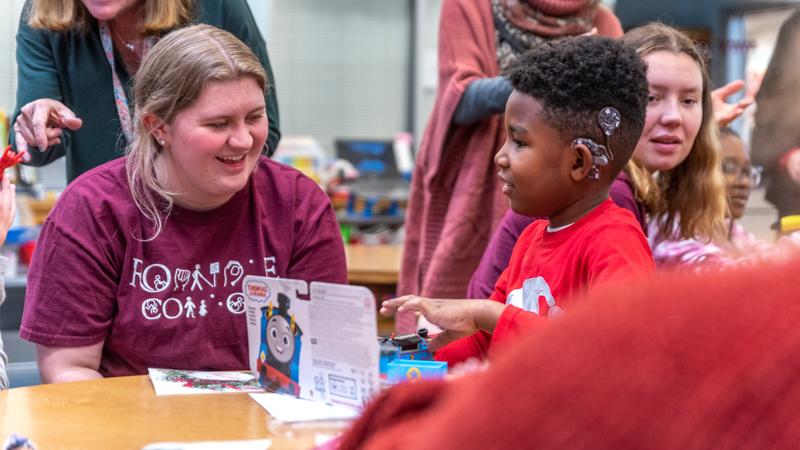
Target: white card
(292, 409)
(321, 349)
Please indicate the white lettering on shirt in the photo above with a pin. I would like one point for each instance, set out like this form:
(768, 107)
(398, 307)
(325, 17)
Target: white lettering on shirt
(151, 308)
(159, 284)
(269, 269)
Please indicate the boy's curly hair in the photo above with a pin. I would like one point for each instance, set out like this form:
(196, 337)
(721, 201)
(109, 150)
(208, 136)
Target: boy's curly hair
(575, 78)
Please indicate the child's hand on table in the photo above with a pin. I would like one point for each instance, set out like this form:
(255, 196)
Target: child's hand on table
(458, 318)
(8, 206)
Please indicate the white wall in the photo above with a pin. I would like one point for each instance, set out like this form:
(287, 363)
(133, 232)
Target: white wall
(9, 19)
(341, 67)
(427, 73)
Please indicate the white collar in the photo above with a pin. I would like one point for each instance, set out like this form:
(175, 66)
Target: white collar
(553, 230)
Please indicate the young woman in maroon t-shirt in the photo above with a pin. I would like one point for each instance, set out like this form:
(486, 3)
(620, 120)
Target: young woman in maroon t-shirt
(140, 262)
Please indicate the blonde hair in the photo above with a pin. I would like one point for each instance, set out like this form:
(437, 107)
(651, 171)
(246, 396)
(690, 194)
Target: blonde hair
(171, 78)
(66, 15)
(694, 190)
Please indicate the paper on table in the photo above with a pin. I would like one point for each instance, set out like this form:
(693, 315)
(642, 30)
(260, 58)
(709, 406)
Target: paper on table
(171, 382)
(287, 408)
(261, 444)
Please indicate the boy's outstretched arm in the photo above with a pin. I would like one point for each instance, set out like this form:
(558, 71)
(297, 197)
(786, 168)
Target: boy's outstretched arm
(458, 318)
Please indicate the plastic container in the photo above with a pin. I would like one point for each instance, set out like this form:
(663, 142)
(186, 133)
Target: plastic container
(303, 153)
(405, 370)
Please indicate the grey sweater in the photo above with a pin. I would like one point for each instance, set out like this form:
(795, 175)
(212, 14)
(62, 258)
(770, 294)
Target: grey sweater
(3, 357)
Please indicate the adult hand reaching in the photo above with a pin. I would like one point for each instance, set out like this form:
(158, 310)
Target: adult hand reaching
(725, 113)
(458, 318)
(39, 125)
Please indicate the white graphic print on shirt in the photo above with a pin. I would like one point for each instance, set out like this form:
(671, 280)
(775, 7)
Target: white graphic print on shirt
(157, 279)
(527, 297)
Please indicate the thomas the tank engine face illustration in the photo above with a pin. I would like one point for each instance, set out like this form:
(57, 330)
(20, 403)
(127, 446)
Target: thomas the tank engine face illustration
(279, 353)
(280, 339)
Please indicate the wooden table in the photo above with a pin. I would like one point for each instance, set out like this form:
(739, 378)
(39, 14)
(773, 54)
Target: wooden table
(377, 268)
(125, 413)
(378, 264)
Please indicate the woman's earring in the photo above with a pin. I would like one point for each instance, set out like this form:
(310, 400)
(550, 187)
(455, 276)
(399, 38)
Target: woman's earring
(163, 142)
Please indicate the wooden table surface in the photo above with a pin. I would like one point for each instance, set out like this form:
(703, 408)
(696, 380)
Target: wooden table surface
(125, 413)
(379, 264)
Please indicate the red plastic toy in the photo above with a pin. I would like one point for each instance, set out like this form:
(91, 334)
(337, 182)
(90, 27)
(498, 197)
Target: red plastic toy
(9, 158)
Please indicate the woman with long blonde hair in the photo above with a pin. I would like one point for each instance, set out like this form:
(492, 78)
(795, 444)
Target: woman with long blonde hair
(76, 60)
(679, 142)
(140, 262)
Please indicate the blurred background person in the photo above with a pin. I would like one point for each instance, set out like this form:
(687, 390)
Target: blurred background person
(741, 176)
(776, 136)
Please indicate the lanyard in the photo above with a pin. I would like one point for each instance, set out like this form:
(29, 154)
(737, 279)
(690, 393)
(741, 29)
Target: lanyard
(128, 127)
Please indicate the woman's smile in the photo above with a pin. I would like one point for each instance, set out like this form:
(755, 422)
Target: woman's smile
(232, 161)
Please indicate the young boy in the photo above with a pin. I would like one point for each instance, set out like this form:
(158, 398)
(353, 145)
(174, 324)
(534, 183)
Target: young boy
(572, 122)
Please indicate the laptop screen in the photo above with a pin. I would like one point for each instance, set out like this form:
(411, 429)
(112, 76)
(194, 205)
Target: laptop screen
(372, 158)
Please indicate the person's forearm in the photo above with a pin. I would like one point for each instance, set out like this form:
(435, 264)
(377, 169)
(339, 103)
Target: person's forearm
(487, 313)
(482, 98)
(69, 374)
(60, 364)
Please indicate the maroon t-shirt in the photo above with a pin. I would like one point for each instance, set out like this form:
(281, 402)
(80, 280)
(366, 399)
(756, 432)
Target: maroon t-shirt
(175, 301)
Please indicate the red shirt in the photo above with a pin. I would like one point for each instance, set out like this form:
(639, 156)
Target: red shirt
(553, 269)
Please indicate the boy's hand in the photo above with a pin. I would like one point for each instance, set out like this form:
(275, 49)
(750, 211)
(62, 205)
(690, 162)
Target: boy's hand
(8, 206)
(458, 318)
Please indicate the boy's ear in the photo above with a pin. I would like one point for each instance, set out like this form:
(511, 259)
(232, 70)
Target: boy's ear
(582, 162)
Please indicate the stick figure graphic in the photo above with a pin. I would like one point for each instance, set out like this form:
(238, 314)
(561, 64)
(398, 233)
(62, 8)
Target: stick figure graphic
(189, 306)
(203, 310)
(196, 275)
